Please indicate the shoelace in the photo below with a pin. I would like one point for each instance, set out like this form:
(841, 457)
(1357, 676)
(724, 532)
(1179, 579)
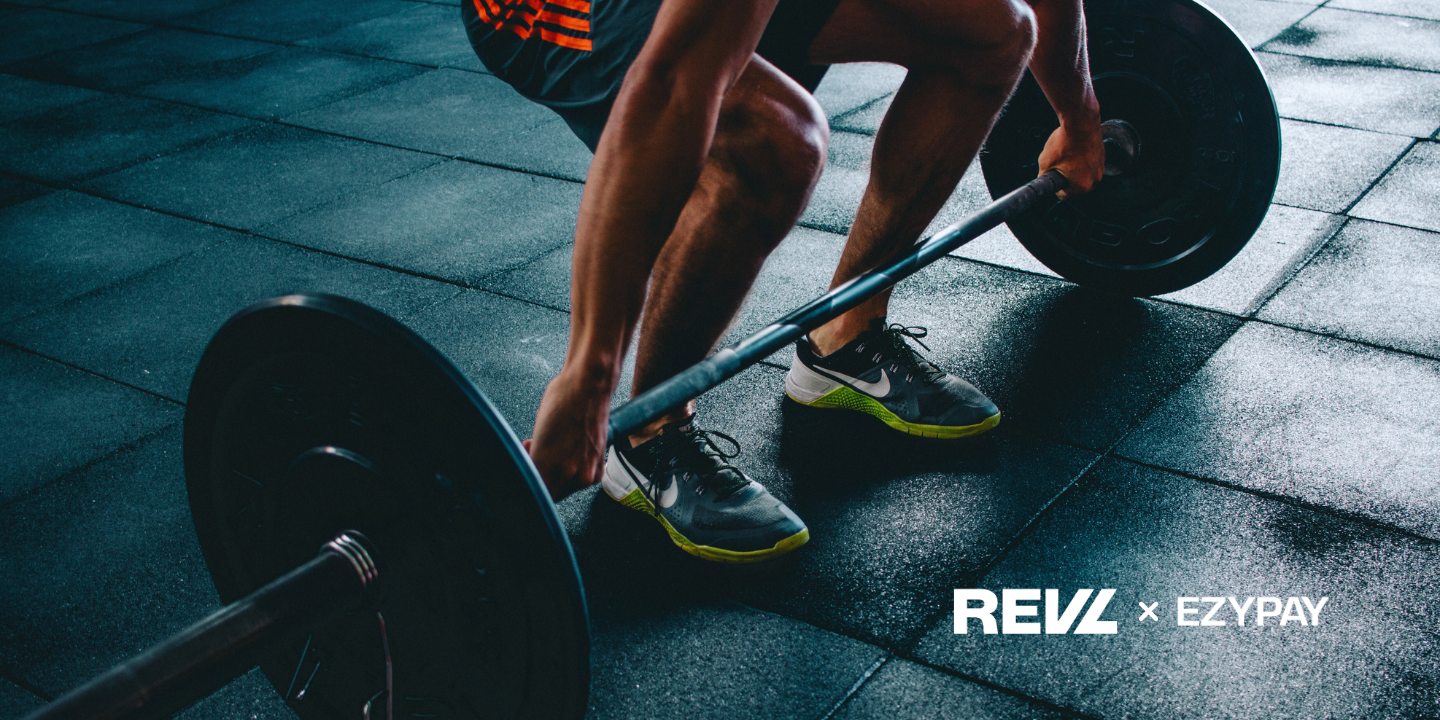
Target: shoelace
(696, 448)
(906, 356)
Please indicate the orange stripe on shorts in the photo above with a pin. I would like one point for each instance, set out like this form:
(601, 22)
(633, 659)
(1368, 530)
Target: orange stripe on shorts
(565, 21)
(505, 18)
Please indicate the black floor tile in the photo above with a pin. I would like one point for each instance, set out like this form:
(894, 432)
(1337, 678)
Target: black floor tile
(286, 20)
(146, 11)
(716, 660)
(278, 83)
(86, 583)
(1062, 362)
(21, 96)
(144, 57)
(425, 34)
(1407, 194)
(457, 220)
(150, 330)
(550, 148)
(851, 85)
(1286, 238)
(1378, 40)
(451, 112)
(39, 31)
(902, 690)
(1404, 102)
(544, 280)
(795, 273)
(1258, 20)
(1325, 421)
(1328, 168)
(1411, 8)
(509, 349)
(864, 119)
(14, 192)
(258, 177)
(15, 701)
(1373, 283)
(1155, 537)
(67, 244)
(81, 141)
(68, 418)
(251, 697)
(837, 195)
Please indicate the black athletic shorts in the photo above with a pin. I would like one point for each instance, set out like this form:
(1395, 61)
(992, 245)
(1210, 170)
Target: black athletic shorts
(571, 55)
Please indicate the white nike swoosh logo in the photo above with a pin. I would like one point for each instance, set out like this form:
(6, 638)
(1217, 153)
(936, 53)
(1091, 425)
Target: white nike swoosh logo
(668, 496)
(874, 389)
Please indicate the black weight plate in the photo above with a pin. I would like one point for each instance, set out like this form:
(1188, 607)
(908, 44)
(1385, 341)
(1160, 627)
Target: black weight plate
(1208, 161)
(309, 415)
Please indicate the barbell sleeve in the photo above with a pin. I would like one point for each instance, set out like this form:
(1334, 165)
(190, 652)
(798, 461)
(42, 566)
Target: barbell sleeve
(209, 654)
(728, 362)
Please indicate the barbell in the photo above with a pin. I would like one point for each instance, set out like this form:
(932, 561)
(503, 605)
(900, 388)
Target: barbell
(383, 542)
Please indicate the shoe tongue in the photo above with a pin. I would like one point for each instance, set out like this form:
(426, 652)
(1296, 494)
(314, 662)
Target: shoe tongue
(725, 481)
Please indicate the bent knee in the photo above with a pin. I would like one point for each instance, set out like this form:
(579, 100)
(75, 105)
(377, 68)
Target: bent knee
(1003, 30)
(774, 142)
(977, 36)
(1021, 31)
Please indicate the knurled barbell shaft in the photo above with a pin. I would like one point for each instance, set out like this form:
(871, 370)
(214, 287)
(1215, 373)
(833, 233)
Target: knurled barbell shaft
(209, 654)
(723, 365)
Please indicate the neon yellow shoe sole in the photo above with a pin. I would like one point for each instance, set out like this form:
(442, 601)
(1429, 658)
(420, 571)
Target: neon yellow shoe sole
(637, 500)
(845, 398)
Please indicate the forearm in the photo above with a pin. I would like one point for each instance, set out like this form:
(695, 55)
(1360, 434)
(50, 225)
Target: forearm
(644, 170)
(1060, 63)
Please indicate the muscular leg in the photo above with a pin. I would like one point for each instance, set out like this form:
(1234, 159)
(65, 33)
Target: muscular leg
(768, 152)
(964, 60)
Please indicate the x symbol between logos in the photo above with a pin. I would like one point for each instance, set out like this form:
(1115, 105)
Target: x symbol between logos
(1149, 611)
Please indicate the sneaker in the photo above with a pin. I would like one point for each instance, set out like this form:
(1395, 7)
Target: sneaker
(710, 508)
(880, 374)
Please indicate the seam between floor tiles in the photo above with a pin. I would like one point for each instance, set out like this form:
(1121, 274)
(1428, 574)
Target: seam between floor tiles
(8, 674)
(1326, 4)
(269, 121)
(1309, 121)
(1283, 279)
(864, 677)
(1337, 513)
(1250, 316)
(251, 234)
(1046, 704)
(87, 371)
(1343, 339)
(1356, 63)
(890, 653)
(1380, 177)
(1256, 47)
(95, 291)
(87, 466)
(166, 25)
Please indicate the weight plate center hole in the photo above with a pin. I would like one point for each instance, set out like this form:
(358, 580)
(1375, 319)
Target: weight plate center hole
(1122, 146)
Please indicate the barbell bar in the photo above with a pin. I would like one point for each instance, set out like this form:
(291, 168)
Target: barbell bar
(314, 419)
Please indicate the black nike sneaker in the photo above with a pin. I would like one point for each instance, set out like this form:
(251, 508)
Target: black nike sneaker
(880, 374)
(710, 508)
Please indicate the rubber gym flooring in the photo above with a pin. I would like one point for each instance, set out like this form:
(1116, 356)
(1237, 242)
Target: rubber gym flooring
(1271, 432)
